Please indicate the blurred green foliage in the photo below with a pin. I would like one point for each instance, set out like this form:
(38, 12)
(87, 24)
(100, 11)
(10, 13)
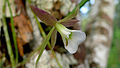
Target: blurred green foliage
(114, 56)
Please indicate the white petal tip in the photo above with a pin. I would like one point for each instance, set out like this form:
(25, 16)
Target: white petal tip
(71, 50)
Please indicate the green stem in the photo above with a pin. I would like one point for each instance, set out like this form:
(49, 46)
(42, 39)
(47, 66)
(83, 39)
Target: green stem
(13, 31)
(9, 48)
(43, 45)
(82, 3)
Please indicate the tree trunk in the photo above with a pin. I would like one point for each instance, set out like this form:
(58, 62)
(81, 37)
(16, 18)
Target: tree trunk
(100, 33)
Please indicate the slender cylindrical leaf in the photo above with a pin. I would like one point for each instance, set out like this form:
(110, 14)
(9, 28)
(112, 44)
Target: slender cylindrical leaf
(13, 30)
(44, 16)
(7, 38)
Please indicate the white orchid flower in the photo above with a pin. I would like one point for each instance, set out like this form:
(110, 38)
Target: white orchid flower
(71, 38)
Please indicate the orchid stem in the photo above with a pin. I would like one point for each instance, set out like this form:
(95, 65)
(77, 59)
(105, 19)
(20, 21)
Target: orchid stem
(43, 45)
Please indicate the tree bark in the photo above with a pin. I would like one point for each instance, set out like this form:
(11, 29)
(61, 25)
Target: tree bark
(100, 33)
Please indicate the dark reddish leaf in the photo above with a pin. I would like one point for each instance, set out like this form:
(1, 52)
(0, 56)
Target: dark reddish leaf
(44, 16)
(70, 23)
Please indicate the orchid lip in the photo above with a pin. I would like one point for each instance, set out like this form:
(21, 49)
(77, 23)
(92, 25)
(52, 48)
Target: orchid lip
(76, 39)
(71, 38)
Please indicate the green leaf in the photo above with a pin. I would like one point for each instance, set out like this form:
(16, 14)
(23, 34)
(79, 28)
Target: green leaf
(53, 38)
(13, 31)
(7, 38)
(44, 16)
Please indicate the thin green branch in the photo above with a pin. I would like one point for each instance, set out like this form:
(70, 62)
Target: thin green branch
(10, 52)
(13, 31)
(82, 3)
(43, 45)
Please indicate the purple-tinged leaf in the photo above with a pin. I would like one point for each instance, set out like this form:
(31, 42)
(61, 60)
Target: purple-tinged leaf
(53, 38)
(70, 23)
(44, 16)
